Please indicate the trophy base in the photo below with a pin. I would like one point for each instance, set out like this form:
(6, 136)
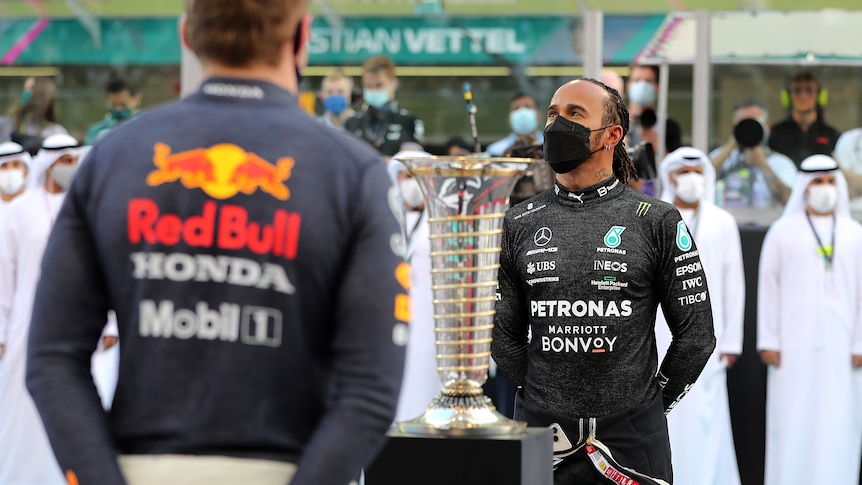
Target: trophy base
(461, 416)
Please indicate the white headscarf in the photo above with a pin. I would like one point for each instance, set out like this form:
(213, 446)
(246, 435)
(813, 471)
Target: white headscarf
(686, 157)
(396, 166)
(10, 151)
(811, 168)
(54, 147)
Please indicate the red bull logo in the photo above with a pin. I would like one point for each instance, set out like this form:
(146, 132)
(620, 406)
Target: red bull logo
(225, 227)
(221, 171)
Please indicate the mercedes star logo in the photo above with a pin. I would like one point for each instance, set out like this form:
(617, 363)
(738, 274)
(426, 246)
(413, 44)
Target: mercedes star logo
(542, 237)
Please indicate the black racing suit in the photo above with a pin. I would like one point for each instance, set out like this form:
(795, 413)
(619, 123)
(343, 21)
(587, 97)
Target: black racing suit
(386, 128)
(584, 272)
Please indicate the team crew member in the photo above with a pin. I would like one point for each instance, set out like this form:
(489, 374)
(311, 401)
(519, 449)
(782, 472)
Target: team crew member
(25, 454)
(804, 132)
(382, 123)
(809, 332)
(583, 268)
(701, 437)
(250, 258)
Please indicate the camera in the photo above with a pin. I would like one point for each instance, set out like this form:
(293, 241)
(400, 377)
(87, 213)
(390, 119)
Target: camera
(749, 133)
(643, 158)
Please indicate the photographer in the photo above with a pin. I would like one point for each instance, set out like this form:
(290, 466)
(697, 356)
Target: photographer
(750, 175)
(646, 179)
(642, 91)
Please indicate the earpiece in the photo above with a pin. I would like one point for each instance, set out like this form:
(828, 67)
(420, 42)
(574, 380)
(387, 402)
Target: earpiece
(822, 97)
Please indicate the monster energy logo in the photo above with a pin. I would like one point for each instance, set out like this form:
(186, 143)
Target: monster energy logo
(643, 208)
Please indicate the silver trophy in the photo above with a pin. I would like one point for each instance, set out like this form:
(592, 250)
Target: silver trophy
(466, 199)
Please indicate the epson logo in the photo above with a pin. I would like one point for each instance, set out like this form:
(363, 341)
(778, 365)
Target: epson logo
(610, 266)
(688, 268)
(233, 91)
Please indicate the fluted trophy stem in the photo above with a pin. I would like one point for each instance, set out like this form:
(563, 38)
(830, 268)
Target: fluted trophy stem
(466, 198)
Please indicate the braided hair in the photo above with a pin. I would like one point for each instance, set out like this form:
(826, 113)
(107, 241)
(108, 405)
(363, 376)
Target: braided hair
(616, 113)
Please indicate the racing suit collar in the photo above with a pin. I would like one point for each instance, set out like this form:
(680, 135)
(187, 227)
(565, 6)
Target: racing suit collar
(245, 89)
(606, 189)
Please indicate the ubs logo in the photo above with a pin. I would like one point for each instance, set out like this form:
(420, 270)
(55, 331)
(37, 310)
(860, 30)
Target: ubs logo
(542, 236)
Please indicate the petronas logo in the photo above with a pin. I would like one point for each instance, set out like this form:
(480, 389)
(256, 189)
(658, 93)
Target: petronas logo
(643, 208)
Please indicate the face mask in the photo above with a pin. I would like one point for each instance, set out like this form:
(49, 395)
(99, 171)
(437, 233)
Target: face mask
(26, 96)
(567, 144)
(642, 92)
(335, 104)
(690, 187)
(11, 181)
(410, 192)
(523, 121)
(62, 174)
(375, 97)
(823, 198)
(121, 114)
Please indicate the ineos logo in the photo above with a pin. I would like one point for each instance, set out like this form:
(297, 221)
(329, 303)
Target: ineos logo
(542, 237)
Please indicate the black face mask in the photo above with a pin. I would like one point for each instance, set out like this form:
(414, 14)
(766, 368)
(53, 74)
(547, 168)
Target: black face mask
(567, 144)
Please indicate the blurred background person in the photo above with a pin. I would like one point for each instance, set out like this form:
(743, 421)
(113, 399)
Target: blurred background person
(809, 332)
(848, 154)
(524, 123)
(381, 122)
(457, 146)
(804, 132)
(336, 92)
(25, 454)
(34, 118)
(421, 381)
(701, 437)
(642, 92)
(14, 168)
(613, 80)
(750, 174)
(124, 102)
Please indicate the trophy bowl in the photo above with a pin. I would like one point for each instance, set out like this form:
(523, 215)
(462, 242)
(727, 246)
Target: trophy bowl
(466, 198)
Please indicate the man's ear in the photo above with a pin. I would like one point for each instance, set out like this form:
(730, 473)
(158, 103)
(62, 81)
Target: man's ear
(184, 39)
(615, 133)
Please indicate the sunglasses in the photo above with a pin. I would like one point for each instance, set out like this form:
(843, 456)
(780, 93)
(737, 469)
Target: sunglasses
(803, 90)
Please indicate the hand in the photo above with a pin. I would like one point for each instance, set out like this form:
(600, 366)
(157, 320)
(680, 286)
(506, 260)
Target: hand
(2, 350)
(771, 357)
(730, 144)
(109, 341)
(756, 157)
(857, 360)
(729, 359)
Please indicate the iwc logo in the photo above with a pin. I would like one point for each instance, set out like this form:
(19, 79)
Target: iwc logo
(614, 236)
(543, 236)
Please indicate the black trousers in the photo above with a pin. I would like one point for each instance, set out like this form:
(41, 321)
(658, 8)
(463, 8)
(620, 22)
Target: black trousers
(637, 438)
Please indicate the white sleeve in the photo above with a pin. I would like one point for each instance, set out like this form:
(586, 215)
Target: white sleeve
(856, 346)
(8, 269)
(783, 167)
(768, 288)
(733, 282)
